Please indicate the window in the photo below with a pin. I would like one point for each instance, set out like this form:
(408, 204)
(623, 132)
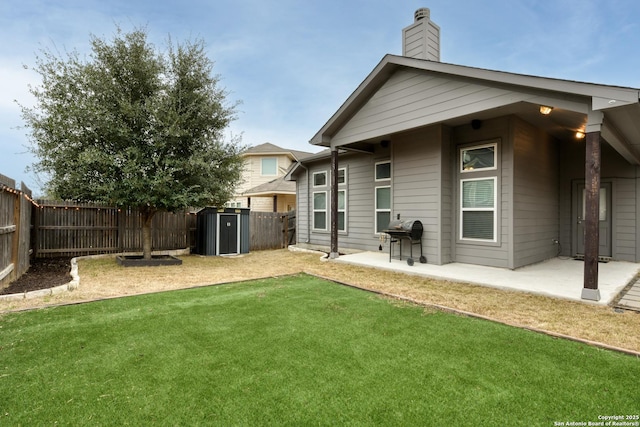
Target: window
(383, 208)
(342, 176)
(478, 158)
(383, 170)
(382, 196)
(342, 210)
(320, 210)
(233, 204)
(478, 209)
(269, 166)
(319, 179)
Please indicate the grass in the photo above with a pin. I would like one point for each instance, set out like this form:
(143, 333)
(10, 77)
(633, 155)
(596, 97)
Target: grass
(295, 350)
(103, 278)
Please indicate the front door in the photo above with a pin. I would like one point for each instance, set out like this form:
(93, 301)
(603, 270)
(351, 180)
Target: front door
(228, 238)
(605, 219)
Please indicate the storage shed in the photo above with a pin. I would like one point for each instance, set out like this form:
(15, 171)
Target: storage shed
(222, 231)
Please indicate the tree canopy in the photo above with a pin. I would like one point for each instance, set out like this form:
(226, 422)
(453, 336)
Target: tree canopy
(133, 126)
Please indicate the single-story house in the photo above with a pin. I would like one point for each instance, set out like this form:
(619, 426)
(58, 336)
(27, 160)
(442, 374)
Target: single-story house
(502, 169)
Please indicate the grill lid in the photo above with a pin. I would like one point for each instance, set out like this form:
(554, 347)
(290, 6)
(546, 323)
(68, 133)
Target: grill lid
(412, 228)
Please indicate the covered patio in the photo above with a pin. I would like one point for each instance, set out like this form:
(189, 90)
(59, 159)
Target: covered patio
(558, 277)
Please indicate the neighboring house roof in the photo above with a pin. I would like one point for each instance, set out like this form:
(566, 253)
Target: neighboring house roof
(322, 155)
(271, 149)
(620, 106)
(277, 186)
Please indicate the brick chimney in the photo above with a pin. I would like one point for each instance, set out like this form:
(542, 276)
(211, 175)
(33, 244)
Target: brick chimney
(422, 38)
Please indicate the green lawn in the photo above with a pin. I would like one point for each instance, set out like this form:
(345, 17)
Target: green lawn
(296, 351)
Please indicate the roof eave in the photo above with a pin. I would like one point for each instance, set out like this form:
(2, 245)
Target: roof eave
(603, 96)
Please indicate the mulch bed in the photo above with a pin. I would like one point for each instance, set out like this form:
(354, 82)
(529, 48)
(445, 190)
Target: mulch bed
(42, 274)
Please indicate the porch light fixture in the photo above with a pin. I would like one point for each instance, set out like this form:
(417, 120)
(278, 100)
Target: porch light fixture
(545, 111)
(579, 134)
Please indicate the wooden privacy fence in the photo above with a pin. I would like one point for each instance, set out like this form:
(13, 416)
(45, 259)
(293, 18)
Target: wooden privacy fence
(270, 230)
(74, 229)
(15, 224)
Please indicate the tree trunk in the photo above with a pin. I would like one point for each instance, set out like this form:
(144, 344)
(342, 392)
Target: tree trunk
(147, 217)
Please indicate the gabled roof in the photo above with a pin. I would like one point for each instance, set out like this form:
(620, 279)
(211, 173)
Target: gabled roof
(619, 105)
(271, 149)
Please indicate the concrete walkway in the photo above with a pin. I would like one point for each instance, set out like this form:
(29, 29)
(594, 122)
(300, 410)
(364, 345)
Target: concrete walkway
(558, 277)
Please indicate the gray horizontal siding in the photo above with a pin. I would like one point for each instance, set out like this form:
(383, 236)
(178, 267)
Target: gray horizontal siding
(625, 219)
(490, 254)
(536, 201)
(410, 99)
(417, 185)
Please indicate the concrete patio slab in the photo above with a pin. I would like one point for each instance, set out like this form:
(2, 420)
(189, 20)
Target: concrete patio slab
(557, 277)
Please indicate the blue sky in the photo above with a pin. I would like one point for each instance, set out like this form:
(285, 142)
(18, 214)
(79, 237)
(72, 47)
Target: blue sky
(292, 63)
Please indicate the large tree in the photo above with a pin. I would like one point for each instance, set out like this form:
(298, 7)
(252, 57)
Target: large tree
(133, 126)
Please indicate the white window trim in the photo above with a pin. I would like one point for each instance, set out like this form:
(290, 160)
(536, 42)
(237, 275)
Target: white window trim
(375, 170)
(314, 210)
(375, 207)
(345, 176)
(345, 210)
(326, 179)
(493, 144)
(494, 209)
(266, 158)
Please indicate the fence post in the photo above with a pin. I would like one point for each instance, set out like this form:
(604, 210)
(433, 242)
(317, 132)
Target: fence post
(35, 231)
(15, 244)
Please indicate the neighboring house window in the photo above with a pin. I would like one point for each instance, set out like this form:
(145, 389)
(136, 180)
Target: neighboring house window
(478, 158)
(382, 196)
(269, 166)
(342, 210)
(233, 204)
(319, 179)
(320, 210)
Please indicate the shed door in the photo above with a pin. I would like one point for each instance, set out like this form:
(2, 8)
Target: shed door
(228, 237)
(605, 219)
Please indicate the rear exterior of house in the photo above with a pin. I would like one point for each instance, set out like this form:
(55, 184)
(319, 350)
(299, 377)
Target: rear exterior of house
(469, 154)
(532, 213)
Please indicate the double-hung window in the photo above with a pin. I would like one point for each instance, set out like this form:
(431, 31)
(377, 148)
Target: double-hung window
(342, 210)
(479, 192)
(342, 199)
(382, 196)
(321, 200)
(320, 210)
(478, 210)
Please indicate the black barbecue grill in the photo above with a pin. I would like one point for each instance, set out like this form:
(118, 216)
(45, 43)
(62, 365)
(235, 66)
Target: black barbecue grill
(410, 230)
